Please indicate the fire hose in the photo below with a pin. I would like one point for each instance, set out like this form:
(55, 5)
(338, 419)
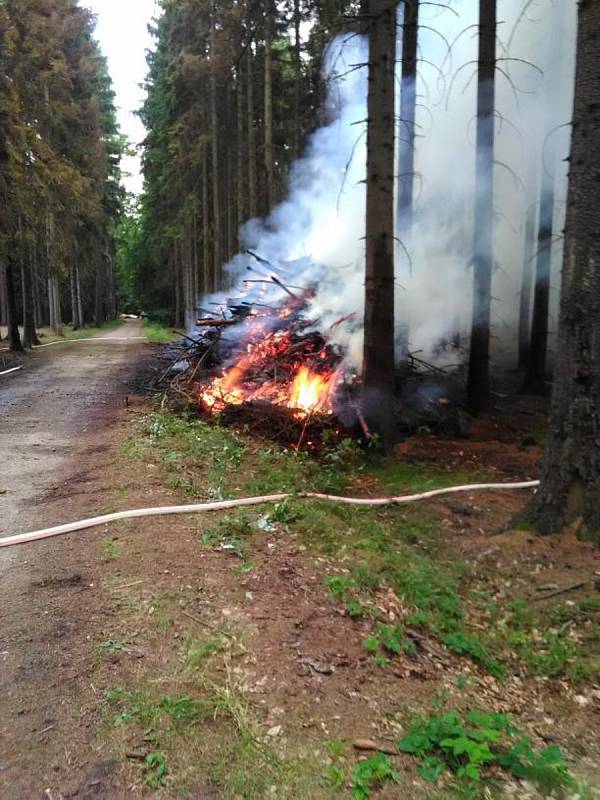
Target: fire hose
(197, 508)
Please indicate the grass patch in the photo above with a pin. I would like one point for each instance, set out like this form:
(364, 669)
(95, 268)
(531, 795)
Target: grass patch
(159, 333)
(401, 549)
(213, 734)
(88, 333)
(110, 548)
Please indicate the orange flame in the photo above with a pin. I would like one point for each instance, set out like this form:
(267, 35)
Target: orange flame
(305, 393)
(310, 392)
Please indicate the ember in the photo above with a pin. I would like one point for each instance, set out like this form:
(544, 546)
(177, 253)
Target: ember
(269, 364)
(282, 368)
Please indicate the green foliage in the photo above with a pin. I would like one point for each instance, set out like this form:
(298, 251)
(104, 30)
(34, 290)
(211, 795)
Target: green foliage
(463, 643)
(370, 774)
(159, 333)
(61, 148)
(392, 640)
(155, 770)
(468, 743)
(345, 588)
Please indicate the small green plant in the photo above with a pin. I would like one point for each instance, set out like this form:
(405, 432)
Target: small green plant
(390, 640)
(549, 657)
(155, 770)
(466, 743)
(344, 588)
(337, 748)
(243, 568)
(370, 774)
(464, 643)
(110, 548)
(199, 650)
(112, 644)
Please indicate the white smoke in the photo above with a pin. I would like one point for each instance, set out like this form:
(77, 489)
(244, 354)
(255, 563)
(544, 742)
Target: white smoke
(320, 225)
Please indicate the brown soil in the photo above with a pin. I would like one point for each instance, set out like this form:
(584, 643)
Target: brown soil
(302, 662)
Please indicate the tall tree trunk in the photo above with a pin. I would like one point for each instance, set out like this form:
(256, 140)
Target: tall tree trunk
(378, 353)
(75, 320)
(29, 333)
(241, 151)
(268, 111)
(478, 387)
(196, 266)
(207, 264)
(526, 280)
(535, 379)
(252, 184)
(3, 300)
(37, 302)
(570, 480)
(176, 268)
(406, 133)
(79, 299)
(216, 194)
(11, 307)
(297, 131)
(56, 322)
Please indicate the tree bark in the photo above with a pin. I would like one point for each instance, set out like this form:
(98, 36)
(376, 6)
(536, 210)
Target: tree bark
(11, 308)
(216, 194)
(570, 479)
(526, 281)
(79, 300)
(535, 379)
(252, 186)
(406, 134)
(75, 320)
(378, 351)
(241, 150)
(206, 266)
(297, 131)
(54, 300)
(29, 333)
(268, 110)
(483, 250)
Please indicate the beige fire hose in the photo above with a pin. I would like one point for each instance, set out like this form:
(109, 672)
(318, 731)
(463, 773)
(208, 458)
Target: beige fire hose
(92, 522)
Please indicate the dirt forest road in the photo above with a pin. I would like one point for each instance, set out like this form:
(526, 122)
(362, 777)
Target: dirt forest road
(59, 432)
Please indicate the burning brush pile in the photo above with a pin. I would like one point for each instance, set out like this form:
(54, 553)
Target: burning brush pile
(263, 366)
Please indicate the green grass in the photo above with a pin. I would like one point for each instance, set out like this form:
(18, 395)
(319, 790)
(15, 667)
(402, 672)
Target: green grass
(110, 548)
(404, 549)
(88, 333)
(212, 732)
(159, 333)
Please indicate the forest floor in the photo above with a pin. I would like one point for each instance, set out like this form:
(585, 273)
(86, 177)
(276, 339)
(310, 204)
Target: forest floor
(265, 653)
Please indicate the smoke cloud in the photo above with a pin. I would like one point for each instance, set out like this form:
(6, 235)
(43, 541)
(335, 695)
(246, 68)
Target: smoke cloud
(316, 235)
